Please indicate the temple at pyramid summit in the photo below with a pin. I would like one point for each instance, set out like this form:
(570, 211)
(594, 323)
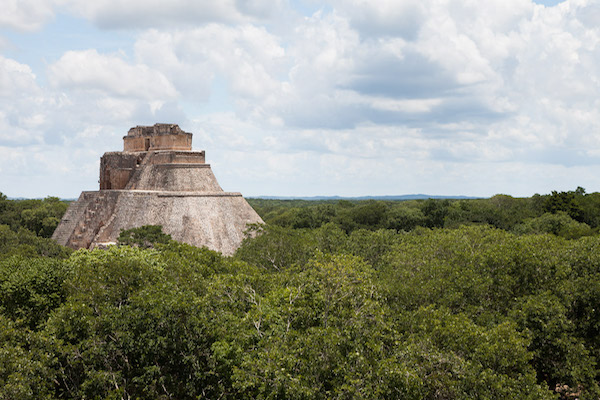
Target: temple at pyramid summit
(157, 180)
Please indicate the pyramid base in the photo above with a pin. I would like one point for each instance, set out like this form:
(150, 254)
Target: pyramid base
(216, 220)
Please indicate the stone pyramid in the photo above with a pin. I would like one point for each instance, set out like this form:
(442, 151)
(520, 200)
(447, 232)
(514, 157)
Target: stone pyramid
(157, 180)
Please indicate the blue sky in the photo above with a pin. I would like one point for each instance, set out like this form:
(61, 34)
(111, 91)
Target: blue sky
(304, 97)
(549, 3)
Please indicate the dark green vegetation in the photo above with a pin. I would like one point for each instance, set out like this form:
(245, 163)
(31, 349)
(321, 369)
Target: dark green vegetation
(147, 236)
(567, 214)
(39, 216)
(27, 225)
(484, 299)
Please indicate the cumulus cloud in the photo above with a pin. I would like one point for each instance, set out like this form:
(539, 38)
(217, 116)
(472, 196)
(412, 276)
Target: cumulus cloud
(492, 96)
(54, 135)
(340, 78)
(111, 14)
(26, 15)
(482, 63)
(386, 18)
(21, 101)
(16, 78)
(110, 74)
(249, 58)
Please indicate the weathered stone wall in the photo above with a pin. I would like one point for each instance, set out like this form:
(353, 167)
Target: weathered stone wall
(175, 177)
(157, 137)
(163, 142)
(216, 220)
(156, 130)
(117, 168)
(178, 157)
(85, 217)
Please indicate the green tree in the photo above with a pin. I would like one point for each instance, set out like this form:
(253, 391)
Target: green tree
(44, 217)
(26, 243)
(30, 288)
(559, 356)
(559, 223)
(435, 212)
(27, 365)
(39, 216)
(146, 236)
(404, 218)
(322, 334)
(458, 359)
(567, 202)
(134, 326)
(275, 248)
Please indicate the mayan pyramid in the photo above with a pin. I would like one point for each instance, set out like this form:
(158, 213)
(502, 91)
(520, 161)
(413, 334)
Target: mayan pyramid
(157, 180)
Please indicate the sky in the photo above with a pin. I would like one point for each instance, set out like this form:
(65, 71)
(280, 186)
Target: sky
(307, 98)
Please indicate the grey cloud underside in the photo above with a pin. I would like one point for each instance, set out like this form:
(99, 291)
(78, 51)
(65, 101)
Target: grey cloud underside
(561, 155)
(448, 113)
(324, 115)
(257, 9)
(181, 14)
(589, 15)
(105, 19)
(460, 109)
(410, 77)
(338, 117)
(553, 155)
(408, 28)
(455, 107)
(394, 19)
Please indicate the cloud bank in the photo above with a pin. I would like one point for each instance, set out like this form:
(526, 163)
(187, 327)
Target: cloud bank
(346, 97)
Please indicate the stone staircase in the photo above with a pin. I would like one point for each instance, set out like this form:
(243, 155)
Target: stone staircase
(92, 216)
(84, 231)
(102, 228)
(69, 221)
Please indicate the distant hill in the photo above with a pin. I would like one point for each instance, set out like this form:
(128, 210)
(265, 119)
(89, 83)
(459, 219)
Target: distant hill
(391, 197)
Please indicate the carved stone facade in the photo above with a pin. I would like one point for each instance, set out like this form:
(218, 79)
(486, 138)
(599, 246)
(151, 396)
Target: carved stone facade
(157, 180)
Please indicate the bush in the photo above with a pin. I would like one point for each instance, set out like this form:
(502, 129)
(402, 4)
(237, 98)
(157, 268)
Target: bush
(559, 224)
(147, 236)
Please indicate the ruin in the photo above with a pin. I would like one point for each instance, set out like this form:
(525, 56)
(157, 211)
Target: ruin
(157, 180)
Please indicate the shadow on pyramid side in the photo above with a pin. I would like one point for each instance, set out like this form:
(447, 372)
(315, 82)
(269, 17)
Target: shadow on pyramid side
(157, 180)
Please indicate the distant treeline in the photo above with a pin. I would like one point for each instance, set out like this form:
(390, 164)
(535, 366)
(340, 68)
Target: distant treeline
(38, 216)
(569, 214)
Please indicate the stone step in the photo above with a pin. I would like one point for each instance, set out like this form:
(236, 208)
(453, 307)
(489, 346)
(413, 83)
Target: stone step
(70, 220)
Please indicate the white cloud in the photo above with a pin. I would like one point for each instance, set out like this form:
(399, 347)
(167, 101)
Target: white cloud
(109, 74)
(377, 97)
(26, 15)
(385, 17)
(134, 14)
(247, 56)
(16, 79)
(21, 104)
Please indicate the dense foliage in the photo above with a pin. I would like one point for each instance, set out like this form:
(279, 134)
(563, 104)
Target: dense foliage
(569, 214)
(38, 216)
(146, 236)
(501, 305)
